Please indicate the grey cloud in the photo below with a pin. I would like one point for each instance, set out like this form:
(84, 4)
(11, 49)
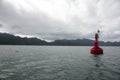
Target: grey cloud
(1, 25)
(100, 14)
(28, 23)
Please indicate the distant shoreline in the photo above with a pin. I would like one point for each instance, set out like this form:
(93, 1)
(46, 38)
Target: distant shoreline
(9, 39)
(52, 45)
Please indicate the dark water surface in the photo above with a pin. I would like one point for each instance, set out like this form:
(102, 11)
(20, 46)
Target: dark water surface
(58, 63)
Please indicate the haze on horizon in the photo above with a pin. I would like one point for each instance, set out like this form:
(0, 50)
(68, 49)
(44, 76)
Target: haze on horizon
(61, 19)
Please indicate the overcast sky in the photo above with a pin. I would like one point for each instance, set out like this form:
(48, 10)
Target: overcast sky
(61, 19)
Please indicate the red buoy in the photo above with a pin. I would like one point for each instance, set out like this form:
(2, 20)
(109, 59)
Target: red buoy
(96, 49)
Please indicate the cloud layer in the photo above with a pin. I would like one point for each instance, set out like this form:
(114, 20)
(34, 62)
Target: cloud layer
(59, 19)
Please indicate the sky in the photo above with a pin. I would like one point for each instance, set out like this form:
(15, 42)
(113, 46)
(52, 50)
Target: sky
(61, 19)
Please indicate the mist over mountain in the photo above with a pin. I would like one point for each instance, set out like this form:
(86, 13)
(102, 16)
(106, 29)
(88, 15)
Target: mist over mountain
(9, 39)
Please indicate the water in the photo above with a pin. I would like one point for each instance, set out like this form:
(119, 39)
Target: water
(58, 63)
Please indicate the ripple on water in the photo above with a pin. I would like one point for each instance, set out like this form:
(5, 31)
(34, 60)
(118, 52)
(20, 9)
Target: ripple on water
(57, 63)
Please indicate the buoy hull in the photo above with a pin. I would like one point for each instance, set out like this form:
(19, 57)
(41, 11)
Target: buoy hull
(96, 50)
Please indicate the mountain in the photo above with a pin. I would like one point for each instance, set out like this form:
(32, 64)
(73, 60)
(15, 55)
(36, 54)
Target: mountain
(9, 39)
(83, 42)
(77, 42)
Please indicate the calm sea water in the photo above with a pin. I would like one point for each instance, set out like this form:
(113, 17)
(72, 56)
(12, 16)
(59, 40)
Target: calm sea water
(58, 63)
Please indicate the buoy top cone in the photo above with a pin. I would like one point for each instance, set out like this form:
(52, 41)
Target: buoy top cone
(96, 49)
